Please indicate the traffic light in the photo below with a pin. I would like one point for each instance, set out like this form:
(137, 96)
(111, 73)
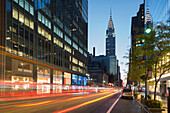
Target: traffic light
(148, 30)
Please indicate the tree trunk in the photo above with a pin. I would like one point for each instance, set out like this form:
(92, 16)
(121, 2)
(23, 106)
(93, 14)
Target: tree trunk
(155, 90)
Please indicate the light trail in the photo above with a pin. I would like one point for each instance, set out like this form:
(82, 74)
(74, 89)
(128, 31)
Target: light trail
(83, 104)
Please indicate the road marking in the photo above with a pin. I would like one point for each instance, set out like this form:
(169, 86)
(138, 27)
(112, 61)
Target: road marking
(110, 109)
(83, 104)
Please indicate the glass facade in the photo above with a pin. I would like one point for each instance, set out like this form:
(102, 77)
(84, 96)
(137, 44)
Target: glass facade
(159, 10)
(44, 44)
(74, 79)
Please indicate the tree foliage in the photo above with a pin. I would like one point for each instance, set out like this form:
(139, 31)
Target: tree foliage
(151, 53)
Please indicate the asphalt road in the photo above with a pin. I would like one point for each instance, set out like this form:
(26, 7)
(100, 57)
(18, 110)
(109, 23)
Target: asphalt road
(87, 103)
(76, 103)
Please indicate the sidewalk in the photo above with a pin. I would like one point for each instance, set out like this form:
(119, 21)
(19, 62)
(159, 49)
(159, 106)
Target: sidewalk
(127, 106)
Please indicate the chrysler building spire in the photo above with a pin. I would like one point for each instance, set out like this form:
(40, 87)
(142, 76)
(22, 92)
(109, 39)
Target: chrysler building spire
(110, 25)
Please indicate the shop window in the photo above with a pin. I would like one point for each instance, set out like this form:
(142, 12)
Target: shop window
(85, 81)
(74, 79)
(21, 17)
(67, 78)
(15, 14)
(57, 77)
(80, 80)
(43, 75)
(21, 3)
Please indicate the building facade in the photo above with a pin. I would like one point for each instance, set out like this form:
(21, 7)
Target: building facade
(110, 39)
(159, 12)
(137, 28)
(44, 41)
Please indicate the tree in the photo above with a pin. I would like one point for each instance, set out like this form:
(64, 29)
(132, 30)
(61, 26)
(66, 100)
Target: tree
(152, 51)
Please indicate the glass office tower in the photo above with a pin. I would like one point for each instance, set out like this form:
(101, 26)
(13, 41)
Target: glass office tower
(43, 41)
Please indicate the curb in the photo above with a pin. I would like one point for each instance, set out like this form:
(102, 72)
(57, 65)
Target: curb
(143, 107)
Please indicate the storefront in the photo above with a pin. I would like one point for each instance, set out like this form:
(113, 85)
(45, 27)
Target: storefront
(80, 80)
(74, 79)
(57, 77)
(22, 75)
(85, 81)
(43, 75)
(67, 78)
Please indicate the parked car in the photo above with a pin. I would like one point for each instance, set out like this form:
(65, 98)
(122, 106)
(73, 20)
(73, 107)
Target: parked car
(127, 93)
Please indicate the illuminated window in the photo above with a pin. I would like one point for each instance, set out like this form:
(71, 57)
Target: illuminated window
(67, 48)
(31, 24)
(26, 21)
(31, 10)
(15, 14)
(67, 78)
(81, 63)
(59, 43)
(80, 50)
(85, 54)
(21, 3)
(21, 17)
(26, 6)
(43, 32)
(39, 16)
(75, 61)
(75, 46)
(39, 29)
(67, 40)
(49, 37)
(74, 68)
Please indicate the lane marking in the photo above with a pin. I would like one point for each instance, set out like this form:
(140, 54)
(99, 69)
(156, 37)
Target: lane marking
(83, 104)
(110, 109)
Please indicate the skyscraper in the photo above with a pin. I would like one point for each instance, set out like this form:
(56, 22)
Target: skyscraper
(44, 41)
(110, 38)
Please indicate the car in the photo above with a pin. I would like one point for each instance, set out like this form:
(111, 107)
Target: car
(127, 93)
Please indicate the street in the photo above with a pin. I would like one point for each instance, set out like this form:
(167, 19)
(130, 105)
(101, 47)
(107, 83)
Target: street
(75, 103)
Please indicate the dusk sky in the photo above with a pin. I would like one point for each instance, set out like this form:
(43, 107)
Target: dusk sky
(98, 18)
